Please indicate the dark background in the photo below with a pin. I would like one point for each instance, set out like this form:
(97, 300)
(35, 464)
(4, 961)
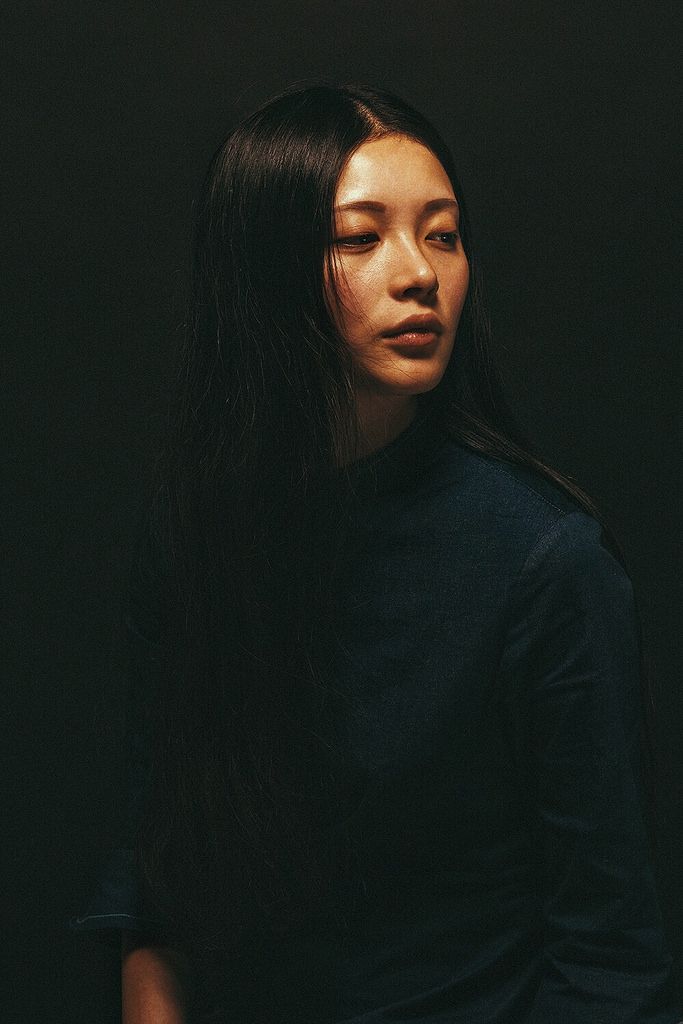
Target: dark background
(562, 121)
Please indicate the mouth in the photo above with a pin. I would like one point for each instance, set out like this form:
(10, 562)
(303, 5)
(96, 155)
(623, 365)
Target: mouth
(415, 332)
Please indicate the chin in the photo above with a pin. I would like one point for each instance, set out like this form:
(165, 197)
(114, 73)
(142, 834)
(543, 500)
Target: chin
(416, 377)
(418, 386)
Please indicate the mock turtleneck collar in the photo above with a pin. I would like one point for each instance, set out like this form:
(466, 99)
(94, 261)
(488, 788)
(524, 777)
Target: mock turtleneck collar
(396, 465)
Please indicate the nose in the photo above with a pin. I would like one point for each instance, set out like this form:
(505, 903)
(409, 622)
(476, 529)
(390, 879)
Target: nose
(413, 273)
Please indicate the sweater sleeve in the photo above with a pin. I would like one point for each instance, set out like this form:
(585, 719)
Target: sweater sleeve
(118, 900)
(572, 650)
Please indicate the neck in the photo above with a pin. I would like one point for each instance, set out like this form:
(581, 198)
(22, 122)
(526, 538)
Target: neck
(381, 418)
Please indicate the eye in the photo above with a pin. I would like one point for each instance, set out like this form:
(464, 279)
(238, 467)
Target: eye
(357, 241)
(447, 238)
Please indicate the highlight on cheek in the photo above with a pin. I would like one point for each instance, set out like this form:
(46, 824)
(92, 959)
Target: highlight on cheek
(339, 291)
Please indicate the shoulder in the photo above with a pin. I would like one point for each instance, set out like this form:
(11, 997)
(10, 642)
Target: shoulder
(518, 517)
(497, 485)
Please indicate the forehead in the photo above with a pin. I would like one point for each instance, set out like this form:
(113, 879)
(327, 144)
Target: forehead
(390, 170)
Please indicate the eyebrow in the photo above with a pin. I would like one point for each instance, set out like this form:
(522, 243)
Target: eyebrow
(375, 207)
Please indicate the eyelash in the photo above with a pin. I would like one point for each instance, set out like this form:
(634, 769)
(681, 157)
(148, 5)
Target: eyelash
(356, 241)
(449, 238)
(452, 237)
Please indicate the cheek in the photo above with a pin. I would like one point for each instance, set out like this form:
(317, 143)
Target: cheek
(340, 299)
(459, 285)
(465, 279)
(357, 293)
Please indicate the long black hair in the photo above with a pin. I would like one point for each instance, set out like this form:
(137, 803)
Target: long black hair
(244, 528)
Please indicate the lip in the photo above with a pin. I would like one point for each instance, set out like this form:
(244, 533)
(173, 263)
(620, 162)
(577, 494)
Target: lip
(421, 329)
(414, 342)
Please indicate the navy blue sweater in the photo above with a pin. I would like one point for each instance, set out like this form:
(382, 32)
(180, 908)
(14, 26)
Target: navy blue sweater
(488, 650)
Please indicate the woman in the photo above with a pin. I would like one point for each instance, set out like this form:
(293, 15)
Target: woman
(385, 711)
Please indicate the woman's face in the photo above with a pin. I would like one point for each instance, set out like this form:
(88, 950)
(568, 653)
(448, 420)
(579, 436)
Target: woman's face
(401, 273)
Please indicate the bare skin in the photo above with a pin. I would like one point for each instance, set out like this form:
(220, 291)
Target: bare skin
(397, 256)
(155, 983)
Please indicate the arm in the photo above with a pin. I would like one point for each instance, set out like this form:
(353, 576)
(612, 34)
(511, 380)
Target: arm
(154, 983)
(119, 903)
(154, 977)
(572, 652)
